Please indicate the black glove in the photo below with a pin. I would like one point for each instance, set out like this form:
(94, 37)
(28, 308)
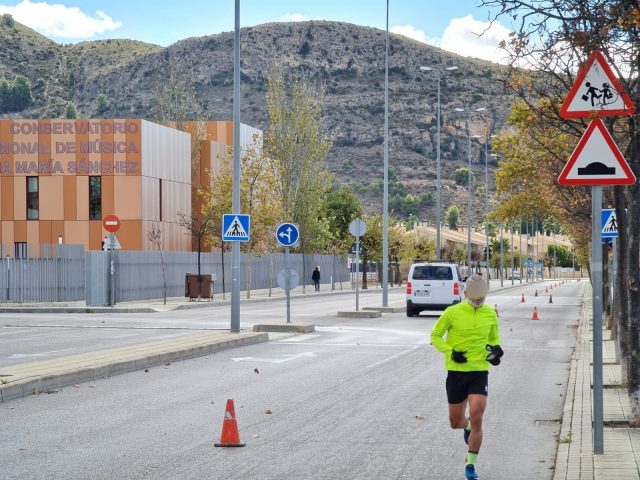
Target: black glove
(495, 352)
(458, 357)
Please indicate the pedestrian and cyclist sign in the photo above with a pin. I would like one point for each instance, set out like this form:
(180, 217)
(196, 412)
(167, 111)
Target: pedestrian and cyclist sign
(235, 227)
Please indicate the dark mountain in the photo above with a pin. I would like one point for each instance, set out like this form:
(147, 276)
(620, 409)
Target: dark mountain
(347, 60)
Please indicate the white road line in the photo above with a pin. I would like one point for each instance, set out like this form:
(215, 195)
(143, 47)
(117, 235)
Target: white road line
(391, 358)
(300, 338)
(286, 358)
(42, 354)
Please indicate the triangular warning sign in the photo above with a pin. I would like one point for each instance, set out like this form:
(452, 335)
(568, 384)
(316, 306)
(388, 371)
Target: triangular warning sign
(596, 160)
(235, 229)
(596, 91)
(611, 225)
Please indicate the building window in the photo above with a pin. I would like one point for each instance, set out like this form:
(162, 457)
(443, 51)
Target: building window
(95, 198)
(20, 249)
(160, 199)
(33, 202)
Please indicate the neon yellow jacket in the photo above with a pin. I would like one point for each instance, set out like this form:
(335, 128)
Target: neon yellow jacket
(468, 330)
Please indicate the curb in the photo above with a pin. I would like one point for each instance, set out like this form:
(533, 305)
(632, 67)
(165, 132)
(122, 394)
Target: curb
(386, 309)
(48, 375)
(361, 314)
(285, 328)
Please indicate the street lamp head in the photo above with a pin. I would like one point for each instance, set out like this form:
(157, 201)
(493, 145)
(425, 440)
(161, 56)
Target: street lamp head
(451, 69)
(426, 69)
(458, 109)
(481, 109)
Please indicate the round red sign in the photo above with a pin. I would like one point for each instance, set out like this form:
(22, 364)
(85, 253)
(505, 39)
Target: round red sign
(111, 223)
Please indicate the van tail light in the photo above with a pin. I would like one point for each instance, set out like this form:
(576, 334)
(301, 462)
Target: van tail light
(456, 288)
(408, 288)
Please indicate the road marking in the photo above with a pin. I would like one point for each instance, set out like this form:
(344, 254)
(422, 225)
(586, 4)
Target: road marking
(301, 337)
(286, 358)
(43, 354)
(391, 358)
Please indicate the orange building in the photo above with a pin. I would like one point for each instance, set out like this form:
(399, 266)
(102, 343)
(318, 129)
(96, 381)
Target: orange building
(58, 178)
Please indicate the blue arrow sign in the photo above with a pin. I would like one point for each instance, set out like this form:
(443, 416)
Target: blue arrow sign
(609, 223)
(235, 227)
(287, 234)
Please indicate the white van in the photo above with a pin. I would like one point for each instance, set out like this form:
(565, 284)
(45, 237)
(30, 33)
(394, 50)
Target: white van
(433, 286)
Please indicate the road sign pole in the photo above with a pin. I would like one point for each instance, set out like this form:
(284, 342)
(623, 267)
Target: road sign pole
(112, 283)
(235, 198)
(596, 272)
(288, 283)
(357, 273)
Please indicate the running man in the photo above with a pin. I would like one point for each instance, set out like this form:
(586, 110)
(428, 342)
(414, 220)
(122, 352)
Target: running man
(472, 342)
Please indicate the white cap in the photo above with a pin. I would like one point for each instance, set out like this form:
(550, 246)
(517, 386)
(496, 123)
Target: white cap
(475, 287)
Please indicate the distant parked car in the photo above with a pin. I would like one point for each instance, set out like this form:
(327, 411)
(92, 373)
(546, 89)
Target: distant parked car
(514, 275)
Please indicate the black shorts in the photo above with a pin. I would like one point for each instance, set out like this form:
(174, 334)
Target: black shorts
(461, 384)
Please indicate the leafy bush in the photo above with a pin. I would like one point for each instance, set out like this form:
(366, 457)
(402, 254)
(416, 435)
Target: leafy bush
(15, 96)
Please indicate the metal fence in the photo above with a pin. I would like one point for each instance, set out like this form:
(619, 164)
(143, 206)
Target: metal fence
(42, 273)
(65, 273)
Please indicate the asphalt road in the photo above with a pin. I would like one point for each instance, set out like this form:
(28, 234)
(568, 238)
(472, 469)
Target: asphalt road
(357, 399)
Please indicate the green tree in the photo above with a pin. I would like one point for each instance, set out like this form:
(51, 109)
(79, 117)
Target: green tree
(101, 104)
(5, 93)
(340, 206)
(296, 138)
(7, 20)
(453, 216)
(21, 93)
(461, 176)
(70, 112)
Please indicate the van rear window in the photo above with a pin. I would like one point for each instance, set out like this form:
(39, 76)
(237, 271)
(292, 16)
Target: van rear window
(432, 273)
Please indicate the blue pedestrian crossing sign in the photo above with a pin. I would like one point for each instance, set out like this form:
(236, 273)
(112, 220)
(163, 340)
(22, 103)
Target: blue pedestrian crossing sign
(609, 223)
(287, 234)
(235, 227)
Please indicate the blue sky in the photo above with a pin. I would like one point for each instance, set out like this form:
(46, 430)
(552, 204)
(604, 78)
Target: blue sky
(452, 25)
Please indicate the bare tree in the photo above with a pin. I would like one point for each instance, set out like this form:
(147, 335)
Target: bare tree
(155, 237)
(200, 227)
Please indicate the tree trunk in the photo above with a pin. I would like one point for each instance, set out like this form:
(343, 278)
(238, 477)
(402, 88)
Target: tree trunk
(304, 269)
(364, 272)
(622, 297)
(606, 288)
(249, 273)
(633, 313)
(222, 261)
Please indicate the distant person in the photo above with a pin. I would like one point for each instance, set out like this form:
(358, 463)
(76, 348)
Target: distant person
(472, 343)
(315, 276)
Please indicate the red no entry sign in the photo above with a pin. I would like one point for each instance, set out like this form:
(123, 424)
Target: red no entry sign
(111, 223)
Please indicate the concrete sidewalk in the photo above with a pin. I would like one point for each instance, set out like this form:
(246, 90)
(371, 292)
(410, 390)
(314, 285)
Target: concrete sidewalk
(575, 458)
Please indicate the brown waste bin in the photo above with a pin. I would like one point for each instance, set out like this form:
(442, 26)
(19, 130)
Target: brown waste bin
(198, 289)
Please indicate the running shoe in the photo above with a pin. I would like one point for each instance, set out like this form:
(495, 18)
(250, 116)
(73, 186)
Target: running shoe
(470, 472)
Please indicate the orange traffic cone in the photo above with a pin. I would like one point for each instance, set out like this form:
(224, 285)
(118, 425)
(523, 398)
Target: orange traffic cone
(546, 290)
(550, 298)
(495, 307)
(230, 436)
(535, 314)
(522, 299)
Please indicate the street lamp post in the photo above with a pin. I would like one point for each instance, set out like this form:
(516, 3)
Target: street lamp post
(438, 197)
(468, 128)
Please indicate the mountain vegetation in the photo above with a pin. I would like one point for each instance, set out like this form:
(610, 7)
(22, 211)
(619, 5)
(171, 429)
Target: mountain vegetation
(126, 78)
